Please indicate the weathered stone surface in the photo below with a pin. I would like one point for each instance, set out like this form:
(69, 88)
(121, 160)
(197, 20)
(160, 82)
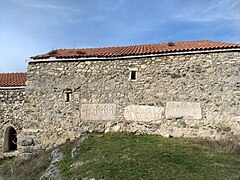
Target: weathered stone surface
(27, 142)
(56, 156)
(98, 112)
(11, 112)
(143, 113)
(195, 78)
(185, 110)
(30, 149)
(41, 112)
(52, 171)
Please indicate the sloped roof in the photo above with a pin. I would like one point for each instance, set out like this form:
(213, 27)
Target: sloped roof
(137, 49)
(13, 79)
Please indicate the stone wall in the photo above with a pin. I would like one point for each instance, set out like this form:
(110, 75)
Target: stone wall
(195, 95)
(11, 111)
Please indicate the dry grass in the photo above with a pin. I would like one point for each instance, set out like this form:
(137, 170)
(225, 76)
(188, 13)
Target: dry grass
(18, 169)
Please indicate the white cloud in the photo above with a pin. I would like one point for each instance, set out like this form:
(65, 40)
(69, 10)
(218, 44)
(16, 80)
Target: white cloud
(217, 10)
(40, 25)
(43, 5)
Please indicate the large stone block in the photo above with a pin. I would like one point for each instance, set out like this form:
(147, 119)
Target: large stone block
(27, 142)
(143, 113)
(98, 112)
(185, 110)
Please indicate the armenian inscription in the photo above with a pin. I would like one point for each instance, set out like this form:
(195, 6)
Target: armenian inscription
(143, 113)
(185, 110)
(97, 112)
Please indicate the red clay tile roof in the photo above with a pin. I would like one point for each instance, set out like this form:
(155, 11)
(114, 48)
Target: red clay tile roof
(137, 49)
(13, 79)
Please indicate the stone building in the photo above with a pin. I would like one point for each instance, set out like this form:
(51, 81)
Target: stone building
(183, 89)
(12, 98)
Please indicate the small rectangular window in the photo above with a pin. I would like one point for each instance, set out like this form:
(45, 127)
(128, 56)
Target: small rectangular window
(67, 97)
(68, 94)
(133, 75)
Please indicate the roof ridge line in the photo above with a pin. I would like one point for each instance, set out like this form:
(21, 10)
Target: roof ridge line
(137, 49)
(139, 45)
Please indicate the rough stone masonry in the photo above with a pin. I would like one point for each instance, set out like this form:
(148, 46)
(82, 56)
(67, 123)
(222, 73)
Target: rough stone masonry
(194, 94)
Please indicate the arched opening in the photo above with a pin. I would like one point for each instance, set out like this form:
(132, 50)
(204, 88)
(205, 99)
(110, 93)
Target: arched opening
(10, 139)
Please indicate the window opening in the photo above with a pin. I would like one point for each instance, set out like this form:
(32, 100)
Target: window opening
(68, 94)
(10, 139)
(133, 75)
(67, 97)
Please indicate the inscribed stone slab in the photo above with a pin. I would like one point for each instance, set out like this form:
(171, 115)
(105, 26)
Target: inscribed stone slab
(185, 110)
(143, 113)
(98, 112)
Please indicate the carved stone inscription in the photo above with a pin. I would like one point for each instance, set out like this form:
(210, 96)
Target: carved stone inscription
(98, 112)
(143, 113)
(185, 110)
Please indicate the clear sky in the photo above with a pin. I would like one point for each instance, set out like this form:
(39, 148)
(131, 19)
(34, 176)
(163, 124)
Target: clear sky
(31, 27)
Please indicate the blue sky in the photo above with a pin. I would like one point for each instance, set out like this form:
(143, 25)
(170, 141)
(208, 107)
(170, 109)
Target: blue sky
(30, 27)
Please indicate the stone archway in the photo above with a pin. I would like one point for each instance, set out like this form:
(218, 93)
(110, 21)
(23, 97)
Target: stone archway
(10, 139)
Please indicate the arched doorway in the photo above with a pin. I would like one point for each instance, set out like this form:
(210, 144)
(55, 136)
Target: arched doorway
(10, 139)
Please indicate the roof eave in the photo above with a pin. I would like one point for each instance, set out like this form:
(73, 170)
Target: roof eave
(12, 87)
(54, 59)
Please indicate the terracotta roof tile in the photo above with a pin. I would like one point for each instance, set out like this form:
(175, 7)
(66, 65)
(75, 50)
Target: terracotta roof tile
(13, 79)
(137, 49)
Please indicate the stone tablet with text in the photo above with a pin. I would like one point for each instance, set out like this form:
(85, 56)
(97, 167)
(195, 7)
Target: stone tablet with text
(185, 110)
(143, 113)
(98, 112)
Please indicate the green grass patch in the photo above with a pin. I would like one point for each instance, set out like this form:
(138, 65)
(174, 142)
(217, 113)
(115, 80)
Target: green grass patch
(128, 156)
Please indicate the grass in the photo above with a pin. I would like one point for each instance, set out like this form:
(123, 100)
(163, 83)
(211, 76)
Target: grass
(19, 169)
(129, 156)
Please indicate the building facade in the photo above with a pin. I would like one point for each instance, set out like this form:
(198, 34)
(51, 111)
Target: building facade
(186, 89)
(12, 98)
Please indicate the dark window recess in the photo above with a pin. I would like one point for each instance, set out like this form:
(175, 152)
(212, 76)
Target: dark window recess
(133, 75)
(68, 94)
(67, 98)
